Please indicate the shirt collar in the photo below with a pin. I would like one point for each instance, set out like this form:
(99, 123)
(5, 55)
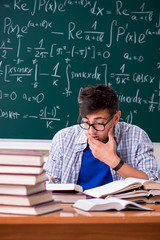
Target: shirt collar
(81, 141)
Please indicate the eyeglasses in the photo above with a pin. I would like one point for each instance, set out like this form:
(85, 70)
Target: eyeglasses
(96, 126)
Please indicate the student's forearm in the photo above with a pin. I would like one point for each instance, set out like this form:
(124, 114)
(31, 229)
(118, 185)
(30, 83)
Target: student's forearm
(128, 171)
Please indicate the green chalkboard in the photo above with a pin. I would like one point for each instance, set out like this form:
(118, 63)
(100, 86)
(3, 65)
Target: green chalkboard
(51, 49)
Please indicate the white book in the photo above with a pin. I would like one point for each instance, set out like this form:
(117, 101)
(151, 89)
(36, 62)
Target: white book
(63, 187)
(110, 203)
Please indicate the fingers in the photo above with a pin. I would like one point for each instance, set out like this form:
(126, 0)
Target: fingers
(92, 142)
(90, 138)
(111, 138)
(87, 135)
(110, 132)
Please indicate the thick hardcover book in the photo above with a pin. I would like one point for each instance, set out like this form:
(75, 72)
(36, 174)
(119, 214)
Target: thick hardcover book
(20, 169)
(30, 200)
(15, 157)
(22, 179)
(21, 189)
(31, 210)
(68, 197)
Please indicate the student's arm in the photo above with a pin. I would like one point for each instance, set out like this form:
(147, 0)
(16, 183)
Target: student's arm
(106, 153)
(53, 161)
(128, 171)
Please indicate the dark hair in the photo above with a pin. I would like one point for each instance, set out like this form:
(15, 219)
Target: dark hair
(98, 97)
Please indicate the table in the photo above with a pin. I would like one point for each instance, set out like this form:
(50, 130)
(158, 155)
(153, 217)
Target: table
(71, 223)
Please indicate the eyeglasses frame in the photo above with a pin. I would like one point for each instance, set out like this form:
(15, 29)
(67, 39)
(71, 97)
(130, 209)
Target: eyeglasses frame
(92, 125)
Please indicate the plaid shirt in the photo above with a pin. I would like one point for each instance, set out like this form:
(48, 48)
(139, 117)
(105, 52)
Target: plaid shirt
(133, 146)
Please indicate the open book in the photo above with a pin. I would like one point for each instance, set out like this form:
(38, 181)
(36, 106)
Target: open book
(150, 196)
(120, 186)
(110, 203)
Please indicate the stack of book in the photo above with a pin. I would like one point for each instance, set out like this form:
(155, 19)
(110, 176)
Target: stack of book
(22, 184)
(65, 192)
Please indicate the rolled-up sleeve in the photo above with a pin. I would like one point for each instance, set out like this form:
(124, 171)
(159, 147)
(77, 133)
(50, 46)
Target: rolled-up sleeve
(145, 158)
(54, 159)
(134, 147)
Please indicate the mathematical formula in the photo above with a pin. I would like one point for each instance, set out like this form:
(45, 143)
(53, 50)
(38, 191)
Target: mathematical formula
(48, 53)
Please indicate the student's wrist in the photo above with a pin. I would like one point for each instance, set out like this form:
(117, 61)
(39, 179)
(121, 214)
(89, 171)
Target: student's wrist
(115, 161)
(118, 166)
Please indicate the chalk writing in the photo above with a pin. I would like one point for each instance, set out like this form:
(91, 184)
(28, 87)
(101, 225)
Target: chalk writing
(51, 49)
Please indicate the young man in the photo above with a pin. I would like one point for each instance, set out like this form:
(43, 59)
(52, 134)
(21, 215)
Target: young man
(100, 149)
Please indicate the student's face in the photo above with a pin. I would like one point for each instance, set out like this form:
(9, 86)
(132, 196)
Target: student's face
(101, 116)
